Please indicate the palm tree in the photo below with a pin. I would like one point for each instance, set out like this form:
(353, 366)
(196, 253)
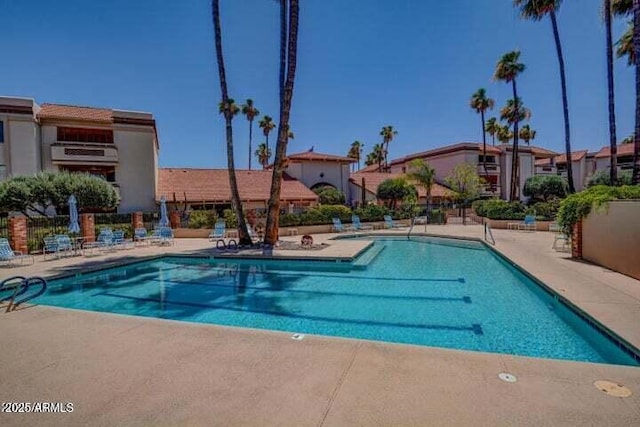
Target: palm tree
(527, 134)
(507, 70)
(263, 153)
(424, 175)
(355, 152)
(625, 46)
(267, 125)
(481, 103)
(613, 148)
(628, 140)
(286, 96)
(536, 10)
(504, 134)
(250, 112)
(376, 156)
(387, 134)
(491, 127)
(229, 109)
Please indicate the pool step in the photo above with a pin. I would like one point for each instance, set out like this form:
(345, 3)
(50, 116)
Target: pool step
(365, 259)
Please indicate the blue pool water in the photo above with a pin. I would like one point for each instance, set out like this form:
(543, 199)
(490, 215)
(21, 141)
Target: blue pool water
(434, 292)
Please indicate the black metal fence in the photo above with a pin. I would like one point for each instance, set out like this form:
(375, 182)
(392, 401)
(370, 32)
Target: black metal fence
(150, 220)
(114, 221)
(40, 226)
(4, 230)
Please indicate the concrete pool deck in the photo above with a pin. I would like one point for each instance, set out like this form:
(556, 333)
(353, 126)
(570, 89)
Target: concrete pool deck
(136, 371)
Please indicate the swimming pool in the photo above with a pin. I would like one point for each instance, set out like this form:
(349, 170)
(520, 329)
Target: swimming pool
(424, 291)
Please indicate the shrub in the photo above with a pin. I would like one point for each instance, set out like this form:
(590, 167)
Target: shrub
(545, 210)
(230, 218)
(373, 212)
(602, 177)
(577, 206)
(289, 220)
(500, 209)
(394, 189)
(545, 187)
(202, 219)
(330, 196)
(314, 216)
(336, 211)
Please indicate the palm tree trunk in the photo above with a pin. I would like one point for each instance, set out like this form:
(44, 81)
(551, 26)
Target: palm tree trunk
(635, 176)
(484, 147)
(273, 213)
(565, 104)
(613, 140)
(283, 47)
(235, 194)
(250, 140)
(515, 161)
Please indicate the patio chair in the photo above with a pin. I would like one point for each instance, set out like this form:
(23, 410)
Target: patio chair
(388, 223)
(104, 242)
(140, 236)
(218, 231)
(53, 247)
(529, 223)
(339, 227)
(65, 245)
(9, 256)
(561, 242)
(120, 241)
(255, 237)
(165, 235)
(358, 225)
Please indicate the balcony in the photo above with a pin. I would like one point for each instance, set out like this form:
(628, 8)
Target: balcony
(492, 168)
(84, 153)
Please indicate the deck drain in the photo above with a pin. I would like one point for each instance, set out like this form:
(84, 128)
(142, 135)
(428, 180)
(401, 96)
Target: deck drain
(507, 377)
(612, 389)
(297, 337)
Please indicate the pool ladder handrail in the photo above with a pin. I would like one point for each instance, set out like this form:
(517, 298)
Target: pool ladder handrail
(488, 233)
(21, 287)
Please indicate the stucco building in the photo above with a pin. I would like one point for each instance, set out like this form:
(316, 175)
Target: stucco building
(120, 146)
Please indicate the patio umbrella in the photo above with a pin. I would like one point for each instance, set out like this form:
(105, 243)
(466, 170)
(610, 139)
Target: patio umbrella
(74, 226)
(164, 217)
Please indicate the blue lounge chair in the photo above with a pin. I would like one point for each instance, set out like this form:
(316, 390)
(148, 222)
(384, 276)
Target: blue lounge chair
(140, 236)
(120, 241)
(388, 223)
(358, 225)
(165, 235)
(53, 247)
(64, 243)
(339, 227)
(9, 256)
(218, 231)
(529, 223)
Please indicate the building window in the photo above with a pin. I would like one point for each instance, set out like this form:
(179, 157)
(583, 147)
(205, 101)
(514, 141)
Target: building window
(102, 136)
(490, 159)
(1, 132)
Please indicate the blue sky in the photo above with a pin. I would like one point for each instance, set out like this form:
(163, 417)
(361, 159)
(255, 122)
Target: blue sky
(363, 64)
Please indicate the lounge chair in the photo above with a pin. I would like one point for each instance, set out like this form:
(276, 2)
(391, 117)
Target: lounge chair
(255, 237)
(120, 242)
(388, 223)
(529, 223)
(104, 242)
(561, 242)
(64, 243)
(358, 225)
(218, 231)
(165, 234)
(141, 236)
(52, 247)
(339, 227)
(9, 256)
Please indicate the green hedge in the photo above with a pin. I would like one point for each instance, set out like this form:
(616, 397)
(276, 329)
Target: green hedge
(202, 219)
(501, 209)
(577, 206)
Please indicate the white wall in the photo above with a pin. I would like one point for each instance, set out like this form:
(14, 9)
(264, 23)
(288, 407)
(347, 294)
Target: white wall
(137, 168)
(336, 174)
(24, 147)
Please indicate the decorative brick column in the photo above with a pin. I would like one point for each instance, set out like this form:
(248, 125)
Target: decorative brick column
(576, 240)
(17, 228)
(136, 220)
(174, 219)
(87, 227)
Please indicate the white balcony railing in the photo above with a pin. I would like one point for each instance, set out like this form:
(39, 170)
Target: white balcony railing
(80, 153)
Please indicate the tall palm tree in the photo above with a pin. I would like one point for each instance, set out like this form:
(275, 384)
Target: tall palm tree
(286, 96)
(613, 147)
(267, 125)
(628, 140)
(508, 69)
(263, 153)
(635, 175)
(536, 10)
(228, 108)
(424, 175)
(481, 103)
(504, 134)
(387, 134)
(491, 127)
(250, 112)
(527, 134)
(376, 156)
(355, 152)
(625, 46)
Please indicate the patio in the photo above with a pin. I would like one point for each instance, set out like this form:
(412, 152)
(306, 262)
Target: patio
(121, 369)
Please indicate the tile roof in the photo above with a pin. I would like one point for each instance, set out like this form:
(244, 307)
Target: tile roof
(313, 156)
(623, 150)
(70, 112)
(541, 152)
(462, 146)
(373, 179)
(212, 185)
(543, 162)
(575, 156)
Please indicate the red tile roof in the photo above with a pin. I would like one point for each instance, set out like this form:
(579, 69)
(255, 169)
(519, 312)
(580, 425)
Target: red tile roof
(541, 152)
(462, 146)
(623, 150)
(373, 179)
(313, 156)
(212, 185)
(370, 168)
(575, 156)
(70, 112)
(543, 162)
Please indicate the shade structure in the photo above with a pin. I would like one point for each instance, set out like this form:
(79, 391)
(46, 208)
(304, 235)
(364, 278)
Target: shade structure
(74, 226)
(164, 217)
